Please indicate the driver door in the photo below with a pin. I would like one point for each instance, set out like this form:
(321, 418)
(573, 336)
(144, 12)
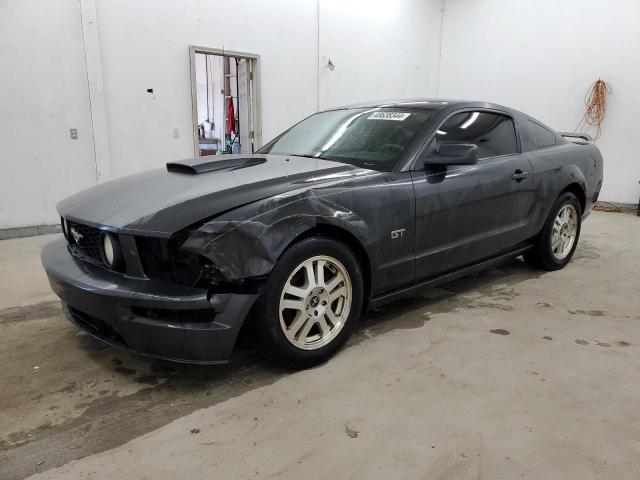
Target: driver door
(466, 213)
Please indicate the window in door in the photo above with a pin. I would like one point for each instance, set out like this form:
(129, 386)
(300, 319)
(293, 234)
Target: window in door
(494, 134)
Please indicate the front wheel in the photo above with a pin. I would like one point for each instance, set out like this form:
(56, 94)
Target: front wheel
(555, 244)
(311, 302)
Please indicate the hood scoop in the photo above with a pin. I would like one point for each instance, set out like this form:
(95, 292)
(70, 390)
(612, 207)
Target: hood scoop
(195, 166)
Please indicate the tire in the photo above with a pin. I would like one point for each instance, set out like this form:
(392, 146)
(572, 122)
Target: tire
(555, 244)
(302, 322)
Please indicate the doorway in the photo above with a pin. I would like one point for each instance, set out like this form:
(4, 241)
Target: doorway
(225, 101)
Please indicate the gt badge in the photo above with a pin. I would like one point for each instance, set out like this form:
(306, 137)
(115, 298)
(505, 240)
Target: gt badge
(397, 234)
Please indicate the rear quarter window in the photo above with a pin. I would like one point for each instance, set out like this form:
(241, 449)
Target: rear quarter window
(541, 137)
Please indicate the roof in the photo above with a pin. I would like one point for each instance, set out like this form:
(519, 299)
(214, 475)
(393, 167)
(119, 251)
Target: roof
(431, 104)
(425, 103)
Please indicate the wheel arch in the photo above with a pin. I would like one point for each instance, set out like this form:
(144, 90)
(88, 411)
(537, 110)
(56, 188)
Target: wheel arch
(573, 185)
(579, 192)
(343, 235)
(331, 231)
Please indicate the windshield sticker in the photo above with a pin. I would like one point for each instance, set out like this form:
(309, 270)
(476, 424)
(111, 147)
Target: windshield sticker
(395, 116)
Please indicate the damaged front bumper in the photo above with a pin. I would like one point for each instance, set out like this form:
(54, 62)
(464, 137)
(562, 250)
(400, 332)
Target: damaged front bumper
(148, 317)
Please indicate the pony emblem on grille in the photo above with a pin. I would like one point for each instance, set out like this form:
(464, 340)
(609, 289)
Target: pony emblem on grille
(77, 236)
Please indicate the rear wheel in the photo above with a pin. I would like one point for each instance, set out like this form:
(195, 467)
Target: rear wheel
(555, 244)
(311, 302)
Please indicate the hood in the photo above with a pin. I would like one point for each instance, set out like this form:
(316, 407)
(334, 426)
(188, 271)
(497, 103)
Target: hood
(163, 201)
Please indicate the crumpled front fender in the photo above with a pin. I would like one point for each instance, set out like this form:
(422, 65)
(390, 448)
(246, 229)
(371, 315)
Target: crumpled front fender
(250, 248)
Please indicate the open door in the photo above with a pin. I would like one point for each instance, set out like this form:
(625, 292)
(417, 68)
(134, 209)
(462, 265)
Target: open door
(244, 107)
(225, 102)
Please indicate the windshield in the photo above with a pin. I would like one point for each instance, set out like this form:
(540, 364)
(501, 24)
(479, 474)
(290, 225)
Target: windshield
(373, 138)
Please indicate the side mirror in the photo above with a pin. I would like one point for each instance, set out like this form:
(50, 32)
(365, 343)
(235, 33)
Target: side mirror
(454, 154)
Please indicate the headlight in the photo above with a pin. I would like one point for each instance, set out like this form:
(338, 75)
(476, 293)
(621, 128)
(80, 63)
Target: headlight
(110, 251)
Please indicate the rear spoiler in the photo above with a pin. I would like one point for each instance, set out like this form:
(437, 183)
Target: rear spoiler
(581, 138)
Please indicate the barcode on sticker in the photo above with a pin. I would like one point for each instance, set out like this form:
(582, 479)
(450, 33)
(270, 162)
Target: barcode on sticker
(395, 116)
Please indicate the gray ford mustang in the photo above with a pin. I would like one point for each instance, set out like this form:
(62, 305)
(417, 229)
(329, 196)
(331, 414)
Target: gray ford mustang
(349, 208)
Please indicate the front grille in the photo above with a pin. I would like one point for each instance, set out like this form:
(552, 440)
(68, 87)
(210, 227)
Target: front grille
(84, 242)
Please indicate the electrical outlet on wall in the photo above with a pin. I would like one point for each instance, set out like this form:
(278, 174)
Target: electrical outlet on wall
(73, 133)
(176, 133)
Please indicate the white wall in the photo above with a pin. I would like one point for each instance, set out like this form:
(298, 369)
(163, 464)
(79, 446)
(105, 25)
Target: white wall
(379, 52)
(382, 49)
(540, 56)
(43, 93)
(144, 44)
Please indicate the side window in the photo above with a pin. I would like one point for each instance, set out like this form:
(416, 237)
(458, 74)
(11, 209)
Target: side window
(494, 134)
(540, 136)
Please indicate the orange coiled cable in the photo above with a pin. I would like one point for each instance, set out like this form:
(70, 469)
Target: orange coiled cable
(595, 100)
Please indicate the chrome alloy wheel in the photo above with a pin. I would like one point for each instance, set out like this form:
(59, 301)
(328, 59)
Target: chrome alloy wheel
(564, 231)
(315, 302)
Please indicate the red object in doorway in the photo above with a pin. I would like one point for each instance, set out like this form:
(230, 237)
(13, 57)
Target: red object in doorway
(231, 122)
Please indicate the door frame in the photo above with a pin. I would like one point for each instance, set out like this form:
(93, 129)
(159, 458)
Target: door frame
(256, 106)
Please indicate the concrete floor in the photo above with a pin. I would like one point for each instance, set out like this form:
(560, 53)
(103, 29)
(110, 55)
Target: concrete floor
(513, 373)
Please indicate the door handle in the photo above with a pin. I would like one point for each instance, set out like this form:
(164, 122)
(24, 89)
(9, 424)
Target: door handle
(519, 175)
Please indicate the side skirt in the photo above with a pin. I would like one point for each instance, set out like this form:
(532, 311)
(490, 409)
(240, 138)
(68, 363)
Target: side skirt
(447, 277)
